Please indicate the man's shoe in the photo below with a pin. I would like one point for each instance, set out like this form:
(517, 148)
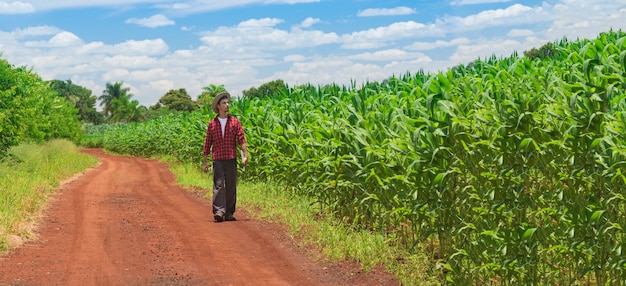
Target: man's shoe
(218, 217)
(230, 218)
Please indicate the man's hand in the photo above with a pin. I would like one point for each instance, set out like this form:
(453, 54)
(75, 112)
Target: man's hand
(244, 154)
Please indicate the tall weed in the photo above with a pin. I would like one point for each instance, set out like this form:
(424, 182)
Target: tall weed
(29, 175)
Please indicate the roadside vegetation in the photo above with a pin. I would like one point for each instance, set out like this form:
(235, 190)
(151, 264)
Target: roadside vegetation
(500, 171)
(37, 129)
(30, 111)
(29, 175)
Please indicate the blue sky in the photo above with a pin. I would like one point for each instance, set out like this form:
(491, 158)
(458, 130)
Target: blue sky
(157, 45)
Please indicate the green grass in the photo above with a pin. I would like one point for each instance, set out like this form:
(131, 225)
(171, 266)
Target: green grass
(29, 174)
(309, 226)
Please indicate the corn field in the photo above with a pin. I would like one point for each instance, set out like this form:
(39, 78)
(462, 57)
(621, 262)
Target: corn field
(507, 171)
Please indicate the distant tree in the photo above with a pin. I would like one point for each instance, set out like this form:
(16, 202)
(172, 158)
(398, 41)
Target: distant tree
(546, 51)
(178, 100)
(157, 110)
(112, 92)
(81, 98)
(124, 110)
(209, 92)
(266, 89)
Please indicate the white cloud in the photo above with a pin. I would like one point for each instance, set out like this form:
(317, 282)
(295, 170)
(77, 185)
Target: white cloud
(387, 55)
(379, 37)
(145, 47)
(36, 31)
(424, 46)
(472, 2)
(618, 14)
(159, 87)
(60, 40)
(92, 48)
(65, 39)
(581, 18)
(260, 23)
(294, 58)
(16, 7)
(484, 49)
(152, 22)
(154, 47)
(181, 6)
(8, 42)
(521, 33)
(115, 74)
(262, 35)
(149, 75)
(386, 11)
(308, 22)
(342, 70)
(326, 70)
(513, 15)
(130, 62)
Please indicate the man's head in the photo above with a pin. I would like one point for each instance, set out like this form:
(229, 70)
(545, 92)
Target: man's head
(218, 100)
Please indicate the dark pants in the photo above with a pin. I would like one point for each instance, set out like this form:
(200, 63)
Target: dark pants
(224, 186)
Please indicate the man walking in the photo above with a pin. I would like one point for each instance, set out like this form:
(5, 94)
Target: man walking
(223, 134)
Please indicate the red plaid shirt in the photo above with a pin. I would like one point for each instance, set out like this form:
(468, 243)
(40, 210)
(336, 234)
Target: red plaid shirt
(223, 147)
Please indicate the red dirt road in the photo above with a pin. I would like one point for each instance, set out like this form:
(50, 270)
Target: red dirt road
(126, 222)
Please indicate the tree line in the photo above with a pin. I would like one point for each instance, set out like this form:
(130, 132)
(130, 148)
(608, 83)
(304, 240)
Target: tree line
(35, 110)
(120, 107)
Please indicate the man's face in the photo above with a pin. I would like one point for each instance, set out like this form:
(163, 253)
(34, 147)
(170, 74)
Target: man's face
(223, 105)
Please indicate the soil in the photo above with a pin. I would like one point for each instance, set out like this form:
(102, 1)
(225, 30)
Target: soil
(127, 222)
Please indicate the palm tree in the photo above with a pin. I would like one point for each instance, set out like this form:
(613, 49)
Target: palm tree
(80, 97)
(111, 93)
(124, 110)
(65, 89)
(209, 92)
